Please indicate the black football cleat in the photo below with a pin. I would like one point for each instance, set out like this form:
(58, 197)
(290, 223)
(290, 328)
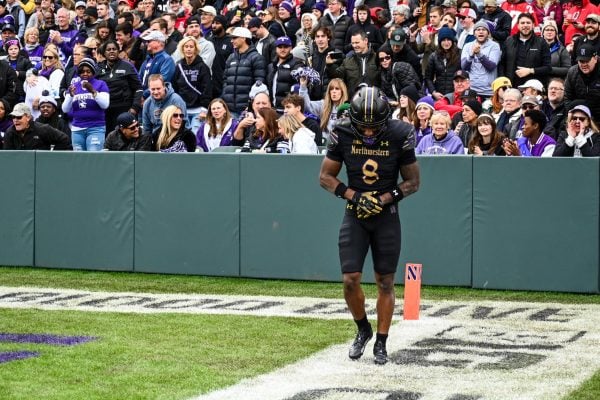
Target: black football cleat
(380, 353)
(360, 342)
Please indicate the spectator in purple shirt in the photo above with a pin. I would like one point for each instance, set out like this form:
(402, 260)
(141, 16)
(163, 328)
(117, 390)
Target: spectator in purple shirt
(86, 100)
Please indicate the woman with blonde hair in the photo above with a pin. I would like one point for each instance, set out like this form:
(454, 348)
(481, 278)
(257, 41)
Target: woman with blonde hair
(52, 69)
(173, 136)
(441, 140)
(32, 46)
(301, 139)
(326, 109)
(218, 127)
(192, 81)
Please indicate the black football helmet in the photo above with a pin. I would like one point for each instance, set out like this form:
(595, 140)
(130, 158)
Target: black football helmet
(370, 109)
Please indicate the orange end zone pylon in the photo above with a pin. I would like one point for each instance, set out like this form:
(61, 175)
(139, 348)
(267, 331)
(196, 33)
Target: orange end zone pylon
(412, 291)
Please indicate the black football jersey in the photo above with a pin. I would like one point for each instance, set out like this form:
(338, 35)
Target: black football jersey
(374, 167)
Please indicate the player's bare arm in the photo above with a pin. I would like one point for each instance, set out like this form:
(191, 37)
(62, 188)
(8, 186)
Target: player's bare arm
(410, 182)
(328, 177)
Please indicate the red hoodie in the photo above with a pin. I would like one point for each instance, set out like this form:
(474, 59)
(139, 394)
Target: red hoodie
(578, 14)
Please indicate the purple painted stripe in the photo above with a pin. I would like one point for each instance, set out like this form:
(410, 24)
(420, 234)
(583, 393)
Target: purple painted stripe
(54, 340)
(17, 355)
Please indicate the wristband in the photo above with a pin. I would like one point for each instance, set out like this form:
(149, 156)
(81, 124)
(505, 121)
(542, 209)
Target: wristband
(397, 195)
(340, 189)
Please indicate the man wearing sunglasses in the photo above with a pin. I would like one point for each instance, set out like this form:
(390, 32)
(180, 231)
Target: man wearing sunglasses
(127, 136)
(25, 134)
(376, 152)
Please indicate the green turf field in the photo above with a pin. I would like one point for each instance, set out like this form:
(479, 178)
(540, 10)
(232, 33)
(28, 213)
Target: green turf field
(177, 356)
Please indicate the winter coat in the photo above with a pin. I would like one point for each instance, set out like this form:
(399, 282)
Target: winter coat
(578, 86)
(439, 75)
(560, 59)
(339, 26)
(242, 70)
(9, 88)
(587, 145)
(354, 73)
(36, 137)
(115, 141)
(373, 33)
(538, 58)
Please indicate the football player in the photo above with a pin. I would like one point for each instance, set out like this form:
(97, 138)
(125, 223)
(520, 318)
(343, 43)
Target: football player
(376, 151)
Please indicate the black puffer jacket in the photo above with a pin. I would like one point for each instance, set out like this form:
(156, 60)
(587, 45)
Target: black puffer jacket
(198, 76)
(284, 78)
(241, 72)
(396, 78)
(339, 28)
(123, 83)
(579, 86)
(373, 33)
(439, 74)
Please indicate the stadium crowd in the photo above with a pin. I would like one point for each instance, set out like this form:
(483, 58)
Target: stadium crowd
(478, 77)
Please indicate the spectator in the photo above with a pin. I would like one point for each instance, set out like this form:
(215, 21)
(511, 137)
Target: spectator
(443, 64)
(66, 34)
(441, 140)
(264, 40)
(79, 53)
(515, 8)
(192, 81)
(560, 59)
(494, 105)
(287, 16)
(293, 104)
(218, 127)
(575, 14)
(90, 21)
(407, 104)
(279, 73)
(509, 119)
(581, 138)
(127, 135)
(157, 61)
(266, 137)
(336, 19)
(124, 36)
(501, 19)
(50, 114)
(534, 142)
(467, 19)
(486, 141)
(361, 67)
(546, 11)
(321, 47)
(402, 52)
(26, 134)
(452, 102)
(427, 39)
(123, 84)
(301, 140)
(207, 49)
(173, 34)
(52, 69)
(526, 56)
(326, 109)
(86, 100)
(33, 88)
(396, 76)
(5, 120)
(246, 127)
(467, 128)
(422, 117)
(583, 80)
(15, 9)
(554, 107)
(243, 68)
(304, 35)
(363, 23)
(223, 48)
(207, 17)
(271, 20)
(172, 136)
(235, 16)
(162, 95)
(480, 59)
(532, 87)
(592, 36)
(32, 46)
(19, 63)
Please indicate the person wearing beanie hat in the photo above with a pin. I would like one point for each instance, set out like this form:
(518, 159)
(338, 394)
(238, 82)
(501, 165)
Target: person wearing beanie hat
(423, 112)
(480, 59)
(560, 58)
(442, 65)
(407, 104)
(86, 100)
(426, 101)
(466, 128)
(287, 15)
(50, 113)
(412, 93)
(500, 19)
